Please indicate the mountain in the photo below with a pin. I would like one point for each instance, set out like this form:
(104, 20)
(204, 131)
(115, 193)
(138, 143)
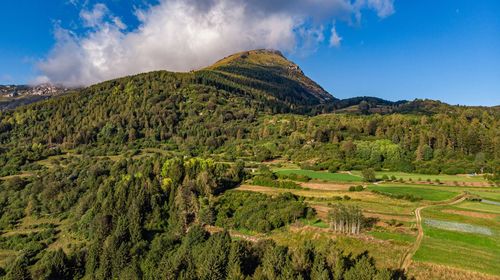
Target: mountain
(269, 71)
(133, 178)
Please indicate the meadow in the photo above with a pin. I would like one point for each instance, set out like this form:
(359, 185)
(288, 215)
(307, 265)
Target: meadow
(322, 175)
(459, 240)
(424, 192)
(462, 178)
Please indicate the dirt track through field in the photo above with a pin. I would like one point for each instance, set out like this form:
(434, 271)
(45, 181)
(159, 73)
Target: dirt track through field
(408, 255)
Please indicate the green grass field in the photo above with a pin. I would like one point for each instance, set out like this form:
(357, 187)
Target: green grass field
(424, 177)
(393, 236)
(449, 242)
(480, 207)
(322, 175)
(462, 250)
(471, 251)
(424, 192)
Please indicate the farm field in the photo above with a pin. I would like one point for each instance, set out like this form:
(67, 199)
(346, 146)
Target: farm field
(322, 175)
(469, 227)
(424, 192)
(453, 233)
(465, 178)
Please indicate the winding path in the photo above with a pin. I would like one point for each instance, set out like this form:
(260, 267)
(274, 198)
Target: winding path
(408, 255)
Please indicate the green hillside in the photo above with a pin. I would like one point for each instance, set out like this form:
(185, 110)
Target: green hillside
(133, 178)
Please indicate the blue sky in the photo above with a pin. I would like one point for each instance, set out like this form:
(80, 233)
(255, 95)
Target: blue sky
(446, 50)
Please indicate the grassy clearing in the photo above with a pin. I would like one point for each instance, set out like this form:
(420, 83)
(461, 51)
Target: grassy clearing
(427, 193)
(314, 223)
(424, 177)
(402, 238)
(385, 253)
(421, 270)
(493, 194)
(441, 213)
(460, 227)
(441, 248)
(322, 175)
(319, 194)
(470, 251)
(462, 250)
(480, 206)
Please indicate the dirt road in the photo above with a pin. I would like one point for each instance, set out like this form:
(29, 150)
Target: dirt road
(406, 258)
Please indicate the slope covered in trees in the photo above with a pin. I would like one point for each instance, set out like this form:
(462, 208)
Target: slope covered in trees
(146, 163)
(197, 115)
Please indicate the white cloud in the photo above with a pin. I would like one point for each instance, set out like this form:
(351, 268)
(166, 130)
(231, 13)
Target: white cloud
(181, 35)
(383, 8)
(94, 17)
(335, 39)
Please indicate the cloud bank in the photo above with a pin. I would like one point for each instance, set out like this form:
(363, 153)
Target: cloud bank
(181, 35)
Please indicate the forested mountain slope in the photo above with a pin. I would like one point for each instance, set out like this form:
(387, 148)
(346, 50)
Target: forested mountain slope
(198, 113)
(127, 179)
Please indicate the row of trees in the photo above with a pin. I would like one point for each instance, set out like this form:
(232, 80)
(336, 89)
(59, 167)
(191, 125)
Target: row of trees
(346, 219)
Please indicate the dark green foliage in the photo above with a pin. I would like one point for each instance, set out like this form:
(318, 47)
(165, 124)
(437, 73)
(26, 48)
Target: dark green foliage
(294, 177)
(258, 212)
(357, 188)
(369, 175)
(143, 219)
(269, 182)
(19, 269)
(409, 197)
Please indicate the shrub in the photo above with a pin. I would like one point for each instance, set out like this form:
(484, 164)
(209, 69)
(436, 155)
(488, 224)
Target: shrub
(409, 197)
(369, 175)
(357, 188)
(269, 182)
(295, 177)
(259, 212)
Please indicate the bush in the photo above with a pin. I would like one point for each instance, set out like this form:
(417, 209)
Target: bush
(269, 182)
(295, 177)
(409, 197)
(357, 188)
(259, 212)
(310, 166)
(369, 175)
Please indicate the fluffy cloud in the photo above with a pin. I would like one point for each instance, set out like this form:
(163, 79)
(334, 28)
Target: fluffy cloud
(335, 39)
(181, 35)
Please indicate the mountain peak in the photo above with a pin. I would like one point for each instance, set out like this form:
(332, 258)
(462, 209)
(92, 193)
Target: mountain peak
(263, 57)
(270, 70)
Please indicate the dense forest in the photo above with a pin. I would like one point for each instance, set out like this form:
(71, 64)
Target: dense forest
(146, 219)
(169, 214)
